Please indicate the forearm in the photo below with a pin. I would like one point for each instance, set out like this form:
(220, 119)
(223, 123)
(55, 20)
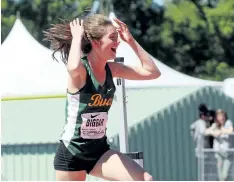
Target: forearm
(146, 61)
(227, 130)
(208, 132)
(74, 54)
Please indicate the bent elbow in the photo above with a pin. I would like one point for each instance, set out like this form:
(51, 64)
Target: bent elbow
(73, 70)
(72, 67)
(156, 75)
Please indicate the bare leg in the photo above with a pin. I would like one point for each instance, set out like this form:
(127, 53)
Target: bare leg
(70, 175)
(116, 166)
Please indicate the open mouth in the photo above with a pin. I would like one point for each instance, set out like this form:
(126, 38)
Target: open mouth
(113, 49)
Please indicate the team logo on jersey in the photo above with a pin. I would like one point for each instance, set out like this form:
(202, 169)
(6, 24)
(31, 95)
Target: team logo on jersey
(98, 100)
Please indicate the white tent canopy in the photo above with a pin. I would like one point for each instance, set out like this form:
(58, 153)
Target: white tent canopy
(28, 68)
(228, 87)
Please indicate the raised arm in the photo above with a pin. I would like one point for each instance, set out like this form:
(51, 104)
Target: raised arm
(74, 65)
(147, 70)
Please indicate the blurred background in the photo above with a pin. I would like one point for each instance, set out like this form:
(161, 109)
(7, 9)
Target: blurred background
(191, 41)
(192, 36)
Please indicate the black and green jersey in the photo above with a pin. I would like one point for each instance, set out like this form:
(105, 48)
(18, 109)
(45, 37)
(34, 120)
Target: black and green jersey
(87, 114)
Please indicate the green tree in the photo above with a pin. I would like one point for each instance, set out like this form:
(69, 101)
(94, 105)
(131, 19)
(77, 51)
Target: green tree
(7, 18)
(187, 35)
(38, 15)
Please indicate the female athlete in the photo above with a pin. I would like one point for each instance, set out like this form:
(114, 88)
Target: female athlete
(86, 46)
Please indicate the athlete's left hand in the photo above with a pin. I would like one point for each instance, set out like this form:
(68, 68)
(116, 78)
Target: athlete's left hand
(123, 31)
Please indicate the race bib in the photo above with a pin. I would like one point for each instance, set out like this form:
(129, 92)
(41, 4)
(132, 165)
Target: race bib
(93, 125)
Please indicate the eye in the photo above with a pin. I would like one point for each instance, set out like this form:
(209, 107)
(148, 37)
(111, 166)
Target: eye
(114, 37)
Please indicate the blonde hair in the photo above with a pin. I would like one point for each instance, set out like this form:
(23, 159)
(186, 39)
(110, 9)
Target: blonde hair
(60, 37)
(220, 111)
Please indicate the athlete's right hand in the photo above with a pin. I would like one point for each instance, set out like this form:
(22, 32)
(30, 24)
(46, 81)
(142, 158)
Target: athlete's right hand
(77, 28)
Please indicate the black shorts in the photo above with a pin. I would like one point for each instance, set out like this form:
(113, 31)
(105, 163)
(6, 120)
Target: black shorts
(65, 161)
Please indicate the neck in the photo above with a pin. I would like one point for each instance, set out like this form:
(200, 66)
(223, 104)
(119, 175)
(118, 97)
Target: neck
(96, 61)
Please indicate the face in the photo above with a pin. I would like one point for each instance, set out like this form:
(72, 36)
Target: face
(205, 118)
(220, 118)
(106, 47)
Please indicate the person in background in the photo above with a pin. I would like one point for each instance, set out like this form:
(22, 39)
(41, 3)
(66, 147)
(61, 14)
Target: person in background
(221, 130)
(198, 129)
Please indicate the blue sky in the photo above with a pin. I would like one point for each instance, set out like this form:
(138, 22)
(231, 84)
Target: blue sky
(159, 2)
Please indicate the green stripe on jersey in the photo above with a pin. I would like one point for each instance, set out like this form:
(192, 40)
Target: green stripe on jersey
(91, 98)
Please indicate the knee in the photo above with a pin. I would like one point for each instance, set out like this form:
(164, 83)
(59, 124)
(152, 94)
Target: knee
(148, 177)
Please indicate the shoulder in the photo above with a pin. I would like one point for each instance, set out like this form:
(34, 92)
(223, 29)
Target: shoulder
(194, 123)
(200, 121)
(118, 68)
(228, 123)
(114, 68)
(114, 65)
